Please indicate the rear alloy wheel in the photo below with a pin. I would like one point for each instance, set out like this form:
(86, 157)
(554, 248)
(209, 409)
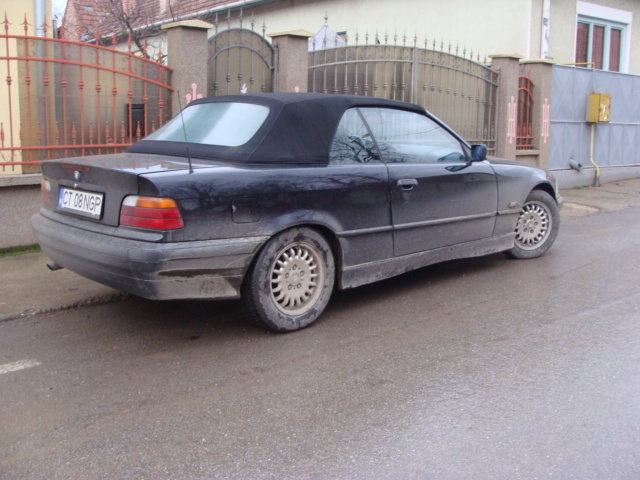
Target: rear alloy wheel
(290, 281)
(537, 226)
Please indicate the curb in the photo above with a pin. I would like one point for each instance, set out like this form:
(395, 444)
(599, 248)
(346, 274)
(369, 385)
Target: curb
(571, 210)
(96, 300)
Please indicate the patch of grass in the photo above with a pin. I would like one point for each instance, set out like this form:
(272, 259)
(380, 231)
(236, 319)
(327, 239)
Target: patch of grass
(13, 251)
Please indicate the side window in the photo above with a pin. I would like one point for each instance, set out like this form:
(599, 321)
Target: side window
(352, 142)
(408, 137)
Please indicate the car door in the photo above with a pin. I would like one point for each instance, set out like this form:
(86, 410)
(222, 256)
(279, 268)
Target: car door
(438, 197)
(363, 202)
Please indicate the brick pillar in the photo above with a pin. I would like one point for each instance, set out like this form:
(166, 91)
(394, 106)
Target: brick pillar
(509, 66)
(187, 53)
(540, 73)
(292, 60)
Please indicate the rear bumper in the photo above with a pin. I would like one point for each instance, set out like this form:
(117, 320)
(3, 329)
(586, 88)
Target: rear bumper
(162, 271)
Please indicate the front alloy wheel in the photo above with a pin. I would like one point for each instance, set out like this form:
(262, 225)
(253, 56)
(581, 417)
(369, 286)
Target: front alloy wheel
(537, 226)
(534, 225)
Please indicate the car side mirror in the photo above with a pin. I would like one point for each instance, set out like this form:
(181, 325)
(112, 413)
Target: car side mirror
(478, 152)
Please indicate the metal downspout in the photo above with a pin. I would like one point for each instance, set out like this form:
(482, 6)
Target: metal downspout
(592, 141)
(544, 29)
(40, 16)
(591, 149)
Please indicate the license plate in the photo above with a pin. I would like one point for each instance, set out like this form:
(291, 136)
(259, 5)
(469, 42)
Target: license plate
(83, 203)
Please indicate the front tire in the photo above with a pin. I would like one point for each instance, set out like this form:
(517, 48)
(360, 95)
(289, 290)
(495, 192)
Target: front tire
(537, 226)
(290, 281)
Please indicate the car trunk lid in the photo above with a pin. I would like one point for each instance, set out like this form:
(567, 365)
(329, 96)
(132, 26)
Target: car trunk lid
(94, 187)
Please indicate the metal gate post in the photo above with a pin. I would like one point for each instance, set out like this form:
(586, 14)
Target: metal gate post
(292, 60)
(414, 75)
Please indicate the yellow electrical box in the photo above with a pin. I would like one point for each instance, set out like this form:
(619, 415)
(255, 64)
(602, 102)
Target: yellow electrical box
(599, 107)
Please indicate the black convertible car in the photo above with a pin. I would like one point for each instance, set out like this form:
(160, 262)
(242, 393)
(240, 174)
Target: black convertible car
(280, 198)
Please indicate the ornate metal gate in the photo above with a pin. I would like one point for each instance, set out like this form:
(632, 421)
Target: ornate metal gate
(66, 98)
(460, 90)
(240, 61)
(524, 136)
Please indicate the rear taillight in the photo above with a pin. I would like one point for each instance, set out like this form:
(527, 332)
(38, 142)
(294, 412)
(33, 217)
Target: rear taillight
(151, 213)
(45, 193)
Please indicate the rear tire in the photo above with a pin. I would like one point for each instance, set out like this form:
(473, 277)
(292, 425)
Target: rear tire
(290, 281)
(537, 226)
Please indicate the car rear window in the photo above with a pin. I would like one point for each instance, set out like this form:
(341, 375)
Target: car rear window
(227, 124)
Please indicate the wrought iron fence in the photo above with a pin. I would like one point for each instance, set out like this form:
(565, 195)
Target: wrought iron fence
(452, 84)
(69, 98)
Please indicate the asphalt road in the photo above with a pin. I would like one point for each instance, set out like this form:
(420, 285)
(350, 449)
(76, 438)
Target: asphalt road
(479, 369)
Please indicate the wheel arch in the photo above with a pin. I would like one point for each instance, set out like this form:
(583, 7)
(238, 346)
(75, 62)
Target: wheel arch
(548, 188)
(327, 233)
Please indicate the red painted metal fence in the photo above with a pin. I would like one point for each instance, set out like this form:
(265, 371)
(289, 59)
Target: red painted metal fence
(524, 137)
(65, 98)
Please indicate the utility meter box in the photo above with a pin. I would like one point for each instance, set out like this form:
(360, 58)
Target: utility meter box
(599, 107)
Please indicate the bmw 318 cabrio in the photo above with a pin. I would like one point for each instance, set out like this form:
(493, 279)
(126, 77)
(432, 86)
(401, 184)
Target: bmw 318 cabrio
(281, 198)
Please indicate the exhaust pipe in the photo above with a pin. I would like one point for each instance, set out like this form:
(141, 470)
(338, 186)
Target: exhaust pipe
(53, 266)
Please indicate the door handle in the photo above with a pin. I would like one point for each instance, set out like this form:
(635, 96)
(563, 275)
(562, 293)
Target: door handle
(407, 184)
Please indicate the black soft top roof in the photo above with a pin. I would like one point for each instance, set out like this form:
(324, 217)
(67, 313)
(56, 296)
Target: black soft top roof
(298, 130)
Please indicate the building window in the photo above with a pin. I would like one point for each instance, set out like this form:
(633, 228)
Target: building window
(599, 42)
(602, 37)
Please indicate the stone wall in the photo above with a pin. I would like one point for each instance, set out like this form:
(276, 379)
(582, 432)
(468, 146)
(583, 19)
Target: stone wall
(19, 200)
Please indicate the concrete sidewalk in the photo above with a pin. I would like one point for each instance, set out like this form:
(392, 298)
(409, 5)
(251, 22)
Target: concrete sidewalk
(28, 287)
(606, 198)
